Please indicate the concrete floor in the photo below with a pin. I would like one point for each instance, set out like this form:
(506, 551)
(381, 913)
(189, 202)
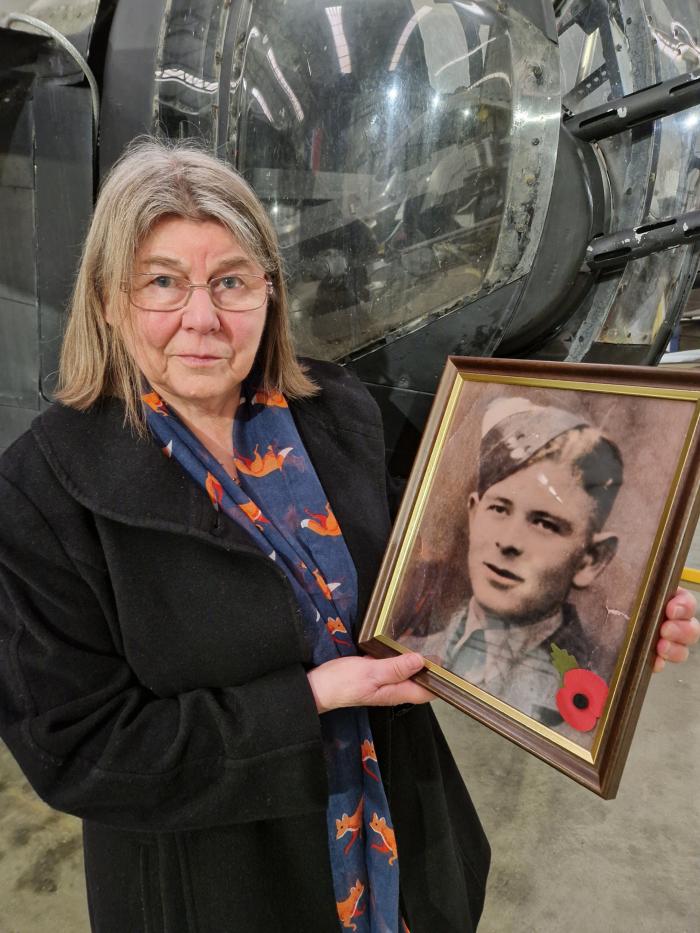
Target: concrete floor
(564, 860)
(41, 880)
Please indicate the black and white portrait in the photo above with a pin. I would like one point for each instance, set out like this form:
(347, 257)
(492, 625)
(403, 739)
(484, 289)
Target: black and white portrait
(532, 545)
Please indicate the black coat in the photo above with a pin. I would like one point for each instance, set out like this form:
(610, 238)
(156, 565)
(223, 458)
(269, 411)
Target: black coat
(153, 682)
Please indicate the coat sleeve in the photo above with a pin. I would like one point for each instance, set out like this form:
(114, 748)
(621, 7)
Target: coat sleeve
(93, 741)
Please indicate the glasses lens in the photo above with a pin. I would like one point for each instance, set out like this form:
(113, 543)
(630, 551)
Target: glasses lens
(239, 292)
(158, 292)
(234, 292)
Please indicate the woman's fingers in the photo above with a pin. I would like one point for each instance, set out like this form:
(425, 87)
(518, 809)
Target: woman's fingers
(405, 692)
(681, 606)
(679, 630)
(682, 632)
(393, 684)
(670, 651)
(367, 682)
(395, 670)
(676, 637)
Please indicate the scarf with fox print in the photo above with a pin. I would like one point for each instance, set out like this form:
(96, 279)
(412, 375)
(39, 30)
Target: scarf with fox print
(279, 501)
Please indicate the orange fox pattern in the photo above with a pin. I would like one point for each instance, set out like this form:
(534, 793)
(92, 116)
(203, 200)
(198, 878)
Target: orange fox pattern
(350, 824)
(348, 908)
(276, 498)
(325, 588)
(275, 399)
(261, 466)
(155, 403)
(325, 525)
(214, 489)
(380, 826)
(337, 630)
(368, 754)
(250, 509)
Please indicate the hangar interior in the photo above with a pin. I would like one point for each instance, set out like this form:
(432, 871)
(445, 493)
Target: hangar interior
(444, 178)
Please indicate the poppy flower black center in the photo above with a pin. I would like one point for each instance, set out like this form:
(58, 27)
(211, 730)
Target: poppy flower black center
(580, 701)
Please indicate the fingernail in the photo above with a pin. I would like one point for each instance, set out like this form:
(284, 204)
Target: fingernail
(670, 631)
(663, 647)
(678, 612)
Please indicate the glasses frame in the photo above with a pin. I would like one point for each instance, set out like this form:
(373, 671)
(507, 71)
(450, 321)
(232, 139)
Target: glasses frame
(190, 286)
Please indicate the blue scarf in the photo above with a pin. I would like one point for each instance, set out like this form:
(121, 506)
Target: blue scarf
(279, 501)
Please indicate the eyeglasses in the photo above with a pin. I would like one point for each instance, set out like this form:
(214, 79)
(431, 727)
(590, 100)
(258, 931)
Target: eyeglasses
(241, 291)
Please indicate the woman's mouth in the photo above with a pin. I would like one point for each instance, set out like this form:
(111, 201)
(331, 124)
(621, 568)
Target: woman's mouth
(191, 359)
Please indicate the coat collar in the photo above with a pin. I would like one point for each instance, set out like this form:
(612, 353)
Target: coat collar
(113, 473)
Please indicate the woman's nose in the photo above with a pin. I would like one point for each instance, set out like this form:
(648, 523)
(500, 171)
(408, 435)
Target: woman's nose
(200, 313)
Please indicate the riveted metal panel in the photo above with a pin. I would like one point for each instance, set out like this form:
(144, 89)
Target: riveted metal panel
(20, 350)
(13, 422)
(17, 259)
(128, 107)
(16, 169)
(64, 180)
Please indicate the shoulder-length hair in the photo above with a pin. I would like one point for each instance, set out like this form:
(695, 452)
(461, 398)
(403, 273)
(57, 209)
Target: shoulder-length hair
(151, 181)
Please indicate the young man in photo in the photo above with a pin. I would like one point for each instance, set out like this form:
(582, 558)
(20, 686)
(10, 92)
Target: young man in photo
(547, 482)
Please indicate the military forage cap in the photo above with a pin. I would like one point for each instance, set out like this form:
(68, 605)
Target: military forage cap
(512, 431)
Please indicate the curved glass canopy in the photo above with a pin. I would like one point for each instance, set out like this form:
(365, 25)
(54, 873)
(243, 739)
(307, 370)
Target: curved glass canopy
(404, 150)
(383, 139)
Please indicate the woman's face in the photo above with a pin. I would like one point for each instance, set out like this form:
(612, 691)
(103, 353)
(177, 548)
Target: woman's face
(198, 356)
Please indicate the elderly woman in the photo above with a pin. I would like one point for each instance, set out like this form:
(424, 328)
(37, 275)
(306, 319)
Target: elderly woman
(188, 543)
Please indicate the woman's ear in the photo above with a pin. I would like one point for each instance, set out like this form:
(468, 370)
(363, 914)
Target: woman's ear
(600, 551)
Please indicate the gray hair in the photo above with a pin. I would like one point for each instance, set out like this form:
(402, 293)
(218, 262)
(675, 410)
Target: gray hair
(151, 181)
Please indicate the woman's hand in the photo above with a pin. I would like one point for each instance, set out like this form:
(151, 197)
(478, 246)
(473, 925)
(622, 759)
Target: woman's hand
(367, 682)
(678, 631)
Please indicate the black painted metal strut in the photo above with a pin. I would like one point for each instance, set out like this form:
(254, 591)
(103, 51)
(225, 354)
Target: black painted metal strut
(651, 103)
(609, 252)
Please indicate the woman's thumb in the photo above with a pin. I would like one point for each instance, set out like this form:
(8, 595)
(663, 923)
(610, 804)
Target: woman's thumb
(402, 667)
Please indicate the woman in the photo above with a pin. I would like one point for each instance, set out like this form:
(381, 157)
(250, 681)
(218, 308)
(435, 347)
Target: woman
(193, 535)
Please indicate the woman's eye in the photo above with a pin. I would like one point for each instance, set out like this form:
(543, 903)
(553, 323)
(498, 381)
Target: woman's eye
(163, 281)
(495, 507)
(230, 281)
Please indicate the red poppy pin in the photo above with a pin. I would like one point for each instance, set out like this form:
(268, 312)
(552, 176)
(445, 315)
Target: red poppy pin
(582, 695)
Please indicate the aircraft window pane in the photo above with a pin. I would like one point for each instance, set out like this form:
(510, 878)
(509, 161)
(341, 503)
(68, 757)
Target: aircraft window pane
(381, 136)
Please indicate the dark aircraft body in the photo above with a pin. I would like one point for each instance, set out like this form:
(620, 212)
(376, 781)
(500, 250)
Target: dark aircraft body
(481, 178)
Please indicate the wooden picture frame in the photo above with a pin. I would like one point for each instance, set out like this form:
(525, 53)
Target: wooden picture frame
(548, 515)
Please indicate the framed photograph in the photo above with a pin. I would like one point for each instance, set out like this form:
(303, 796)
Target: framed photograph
(542, 531)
